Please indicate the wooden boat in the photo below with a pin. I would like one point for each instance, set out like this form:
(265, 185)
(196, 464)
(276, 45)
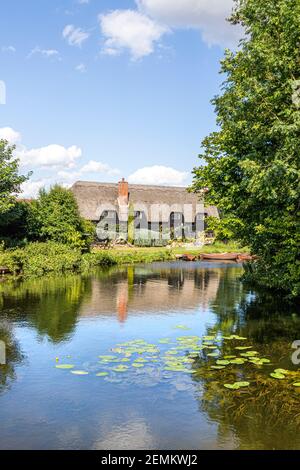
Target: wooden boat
(188, 257)
(243, 257)
(220, 256)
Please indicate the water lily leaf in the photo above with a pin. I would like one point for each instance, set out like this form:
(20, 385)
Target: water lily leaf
(138, 365)
(79, 372)
(229, 357)
(243, 348)
(209, 338)
(243, 384)
(238, 361)
(297, 384)
(231, 386)
(281, 371)
(215, 354)
(237, 385)
(120, 369)
(108, 358)
(277, 376)
(222, 362)
(102, 374)
(218, 367)
(65, 366)
(182, 327)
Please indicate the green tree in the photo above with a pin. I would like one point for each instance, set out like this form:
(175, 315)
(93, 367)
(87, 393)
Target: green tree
(10, 180)
(13, 224)
(252, 162)
(55, 216)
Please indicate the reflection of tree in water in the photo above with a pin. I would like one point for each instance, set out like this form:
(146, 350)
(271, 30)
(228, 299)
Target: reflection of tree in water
(13, 354)
(265, 415)
(51, 304)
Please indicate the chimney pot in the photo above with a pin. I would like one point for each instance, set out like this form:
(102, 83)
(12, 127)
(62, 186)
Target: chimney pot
(124, 191)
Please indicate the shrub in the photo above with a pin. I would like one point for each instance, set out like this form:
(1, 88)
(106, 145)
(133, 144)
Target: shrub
(38, 259)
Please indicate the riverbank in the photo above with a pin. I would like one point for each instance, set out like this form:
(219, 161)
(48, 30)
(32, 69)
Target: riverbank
(39, 259)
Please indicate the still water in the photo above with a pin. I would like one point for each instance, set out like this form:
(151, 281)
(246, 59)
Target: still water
(141, 328)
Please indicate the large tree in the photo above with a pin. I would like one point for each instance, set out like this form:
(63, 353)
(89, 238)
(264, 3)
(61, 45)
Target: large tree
(55, 216)
(10, 180)
(252, 162)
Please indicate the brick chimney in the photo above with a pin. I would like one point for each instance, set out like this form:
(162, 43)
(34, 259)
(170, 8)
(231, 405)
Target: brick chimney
(123, 191)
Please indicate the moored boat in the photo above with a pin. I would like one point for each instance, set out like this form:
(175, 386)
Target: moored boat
(220, 256)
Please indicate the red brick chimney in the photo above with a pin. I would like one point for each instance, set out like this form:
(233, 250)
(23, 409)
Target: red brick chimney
(124, 191)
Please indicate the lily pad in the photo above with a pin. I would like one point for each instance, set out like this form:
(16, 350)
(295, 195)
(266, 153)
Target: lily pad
(79, 372)
(120, 369)
(65, 366)
(297, 384)
(102, 374)
(277, 376)
(218, 367)
(222, 362)
(237, 385)
(237, 361)
(281, 371)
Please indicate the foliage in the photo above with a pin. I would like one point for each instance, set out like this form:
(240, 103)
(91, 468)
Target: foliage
(38, 259)
(10, 180)
(252, 161)
(224, 229)
(13, 224)
(55, 216)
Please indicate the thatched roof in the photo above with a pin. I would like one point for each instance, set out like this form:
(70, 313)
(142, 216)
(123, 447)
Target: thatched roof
(93, 198)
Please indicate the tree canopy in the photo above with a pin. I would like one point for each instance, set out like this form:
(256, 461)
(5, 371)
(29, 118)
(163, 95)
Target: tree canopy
(10, 180)
(55, 216)
(252, 161)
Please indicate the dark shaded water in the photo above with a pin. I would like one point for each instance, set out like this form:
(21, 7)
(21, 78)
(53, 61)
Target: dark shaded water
(74, 320)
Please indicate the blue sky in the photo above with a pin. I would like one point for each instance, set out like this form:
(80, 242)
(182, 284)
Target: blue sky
(101, 89)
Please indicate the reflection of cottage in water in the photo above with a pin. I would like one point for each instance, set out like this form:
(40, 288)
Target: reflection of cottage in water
(135, 290)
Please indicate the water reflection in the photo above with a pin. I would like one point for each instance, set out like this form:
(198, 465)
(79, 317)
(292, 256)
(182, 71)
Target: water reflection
(13, 355)
(265, 416)
(78, 318)
(156, 288)
(50, 305)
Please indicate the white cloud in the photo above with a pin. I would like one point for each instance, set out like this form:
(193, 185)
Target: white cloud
(75, 36)
(50, 156)
(209, 16)
(48, 53)
(159, 175)
(8, 49)
(132, 30)
(53, 164)
(30, 189)
(98, 167)
(91, 168)
(81, 68)
(9, 134)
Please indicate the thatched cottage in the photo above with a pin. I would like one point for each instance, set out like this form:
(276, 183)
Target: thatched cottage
(171, 211)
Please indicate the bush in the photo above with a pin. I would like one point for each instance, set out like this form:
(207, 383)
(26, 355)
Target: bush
(38, 259)
(55, 216)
